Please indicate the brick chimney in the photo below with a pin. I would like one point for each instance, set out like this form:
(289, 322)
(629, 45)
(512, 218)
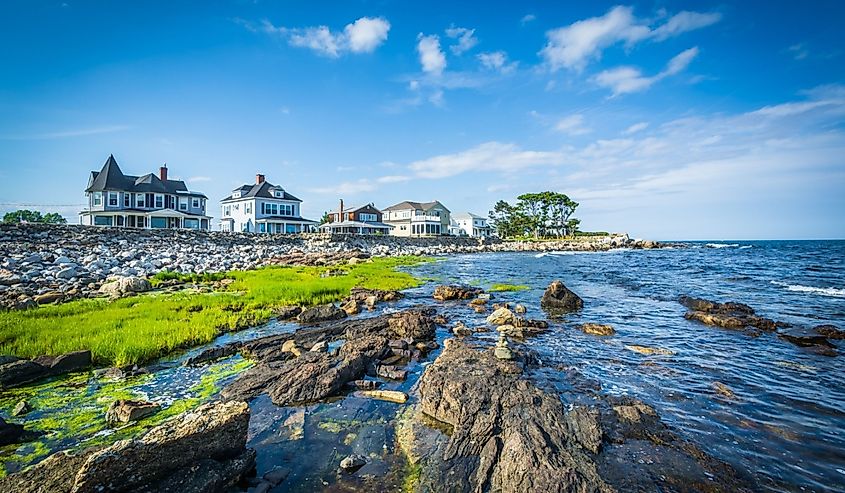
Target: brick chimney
(259, 179)
(162, 172)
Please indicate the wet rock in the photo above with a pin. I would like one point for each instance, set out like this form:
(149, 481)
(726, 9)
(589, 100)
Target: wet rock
(124, 411)
(213, 354)
(810, 339)
(501, 316)
(370, 296)
(455, 292)
(558, 299)
(10, 432)
(289, 346)
(440, 320)
(21, 408)
(461, 330)
(19, 372)
(353, 462)
(730, 315)
(71, 362)
(519, 309)
(649, 350)
(830, 331)
(391, 372)
(412, 324)
(351, 307)
(365, 384)
(385, 395)
(320, 347)
(276, 476)
(207, 475)
(55, 474)
(723, 390)
(288, 312)
(321, 313)
(597, 329)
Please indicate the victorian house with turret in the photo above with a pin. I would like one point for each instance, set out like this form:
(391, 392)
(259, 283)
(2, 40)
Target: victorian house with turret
(149, 201)
(263, 208)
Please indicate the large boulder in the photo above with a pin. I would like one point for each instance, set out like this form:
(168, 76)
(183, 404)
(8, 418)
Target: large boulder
(123, 411)
(125, 285)
(501, 316)
(597, 329)
(70, 362)
(411, 324)
(211, 432)
(321, 313)
(558, 299)
(455, 292)
(10, 432)
(22, 371)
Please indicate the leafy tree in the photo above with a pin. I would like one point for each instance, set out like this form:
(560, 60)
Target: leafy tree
(324, 219)
(540, 214)
(506, 220)
(28, 216)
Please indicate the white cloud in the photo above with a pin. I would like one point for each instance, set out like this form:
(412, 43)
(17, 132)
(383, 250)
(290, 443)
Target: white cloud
(63, 134)
(683, 22)
(799, 51)
(432, 59)
(487, 157)
(527, 18)
(366, 34)
(362, 36)
(572, 125)
(436, 97)
(625, 80)
(466, 39)
(637, 127)
(497, 60)
(574, 46)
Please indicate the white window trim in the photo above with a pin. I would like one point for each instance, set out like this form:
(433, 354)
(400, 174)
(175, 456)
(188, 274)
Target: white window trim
(158, 197)
(139, 200)
(113, 195)
(98, 198)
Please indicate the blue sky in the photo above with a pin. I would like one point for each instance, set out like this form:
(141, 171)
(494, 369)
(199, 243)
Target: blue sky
(668, 120)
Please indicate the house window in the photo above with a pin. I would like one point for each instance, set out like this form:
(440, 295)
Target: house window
(367, 217)
(262, 227)
(112, 199)
(158, 222)
(139, 200)
(102, 220)
(192, 223)
(183, 204)
(227, 211)
(195, 203)
(248, 208)
(159, 201)
(279, 193)
(98, 198)
(236, 195)
(403, 228)
(126, 197)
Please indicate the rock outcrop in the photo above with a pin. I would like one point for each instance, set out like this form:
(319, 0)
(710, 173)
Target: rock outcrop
(200, 451)
(506, 434)
(15, 372)
(455, 292)
(321, 313)
(730, 315)
(558, 299)
(373, 346)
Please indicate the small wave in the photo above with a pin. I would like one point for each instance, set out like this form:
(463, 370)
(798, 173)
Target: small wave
(745, 247)
(722, 245)
(540, 255)
(835, 292)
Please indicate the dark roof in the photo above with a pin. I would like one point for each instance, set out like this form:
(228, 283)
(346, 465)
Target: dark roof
(112, 178)
(415, 205)
(261, 190)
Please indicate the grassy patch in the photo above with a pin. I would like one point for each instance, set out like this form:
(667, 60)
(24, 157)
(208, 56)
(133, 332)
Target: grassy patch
(499, 287)
(139, 329)
(166, 275)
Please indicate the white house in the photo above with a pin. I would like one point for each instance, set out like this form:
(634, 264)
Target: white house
(469, 224)
(417, 219)
(263, 208)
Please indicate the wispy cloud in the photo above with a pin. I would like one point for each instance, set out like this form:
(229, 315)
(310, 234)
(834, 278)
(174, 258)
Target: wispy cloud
(527, 18)
(635, 128)
(624, 80)
(498, 61)
(465, 37)
(574, 46)
(572, 125)
(362, 36)
(64, 134)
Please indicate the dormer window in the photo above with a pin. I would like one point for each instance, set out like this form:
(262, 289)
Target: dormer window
(236, 195)
(279, 193)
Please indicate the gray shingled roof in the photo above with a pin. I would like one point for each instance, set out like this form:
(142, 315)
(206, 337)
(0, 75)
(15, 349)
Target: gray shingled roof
(112, 178)
(414, 205)
(261, 190)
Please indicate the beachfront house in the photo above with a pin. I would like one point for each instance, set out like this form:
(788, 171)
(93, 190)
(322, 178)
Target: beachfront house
(361, 220)
(469, 224)
(418, 219)
(150, 201)
(263, 208)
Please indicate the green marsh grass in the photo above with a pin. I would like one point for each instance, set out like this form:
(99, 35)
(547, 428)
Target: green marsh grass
(500, 287)
(138, 329)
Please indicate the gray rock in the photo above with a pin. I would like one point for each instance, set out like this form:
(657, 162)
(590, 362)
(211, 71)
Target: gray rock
(353, 462)
(558, 299)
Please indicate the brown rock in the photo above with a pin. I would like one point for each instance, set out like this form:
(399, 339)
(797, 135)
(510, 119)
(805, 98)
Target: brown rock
(597, 329)
(558, 299)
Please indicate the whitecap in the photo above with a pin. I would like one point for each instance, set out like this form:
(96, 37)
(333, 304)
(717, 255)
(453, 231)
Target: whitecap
(722, 245)
(835, 292)
(745, 247)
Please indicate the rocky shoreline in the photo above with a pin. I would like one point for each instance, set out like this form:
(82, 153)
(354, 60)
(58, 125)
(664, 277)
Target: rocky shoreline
(476, 418)
(45, 264)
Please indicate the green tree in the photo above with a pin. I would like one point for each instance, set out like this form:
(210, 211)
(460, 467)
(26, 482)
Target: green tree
(504, 219)
(324, 219)
(24, 215)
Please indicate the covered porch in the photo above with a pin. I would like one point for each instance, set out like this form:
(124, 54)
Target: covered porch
(356, 227)
(160, 219)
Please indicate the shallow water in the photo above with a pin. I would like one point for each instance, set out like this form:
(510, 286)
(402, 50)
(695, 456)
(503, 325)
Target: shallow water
(786, 425)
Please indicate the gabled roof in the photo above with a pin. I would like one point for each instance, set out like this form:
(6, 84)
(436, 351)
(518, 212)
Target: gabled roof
(416, 205)
(110, 177)
(355, 208)
(259, 190)
(467, 215)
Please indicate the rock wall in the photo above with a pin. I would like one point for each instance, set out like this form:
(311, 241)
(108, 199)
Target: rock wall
(46, 264)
